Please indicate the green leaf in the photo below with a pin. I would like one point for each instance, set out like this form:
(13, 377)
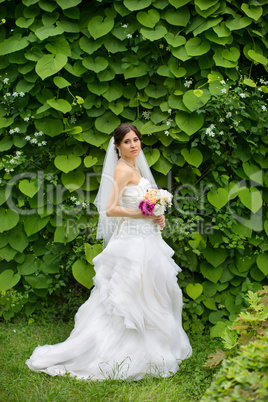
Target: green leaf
(253, 172)
(29, 188)
(92, 251)
(107, 123)
(193, 157)
(152, 157)
(162, 165)
(90, 161)
(98, 64)
(5, 144)
(252, 11)
(238, 23)
(73, 180)
(64, 4)
(67, 163)
(8, 219)
(7, 253)
(49, 126)
(98, 88)
(215, 256)
(29, 265)
(231, 54)
(249, 83)
(209, 303)
(66, 233)
(13, 44)
(136, 71)
(218, 198)
(262, 262)
(134, 5)
(8, 279)
(194, 291)
(211, 273)
(90, 45)
(17, 239)
(259, 58)
(194, 100)
(47, 31)
(114, 92)
(60, 104)
(3, 195)
(196, 47)
(205, 4)
(189, 123)
(24, 22)
(50, 64)
(154, 34)
(155, 91)
(251, 198)
(175, 40)
(91, 138)
(99, 26)
(150, 128)
(34, 223)
(148, 19)
(61, 82)
(38, 281)
(179, 3)
(83, 273)
(179, 17)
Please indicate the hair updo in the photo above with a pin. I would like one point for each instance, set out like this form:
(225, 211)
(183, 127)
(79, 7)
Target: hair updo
(121, 131)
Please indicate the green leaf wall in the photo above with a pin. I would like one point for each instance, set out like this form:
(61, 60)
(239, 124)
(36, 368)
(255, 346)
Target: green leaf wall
(192, 76)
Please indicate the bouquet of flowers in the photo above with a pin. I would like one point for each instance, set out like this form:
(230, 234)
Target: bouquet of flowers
(155, 202)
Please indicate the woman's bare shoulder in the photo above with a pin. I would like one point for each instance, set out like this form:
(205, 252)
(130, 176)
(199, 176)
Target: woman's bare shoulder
(123, 173)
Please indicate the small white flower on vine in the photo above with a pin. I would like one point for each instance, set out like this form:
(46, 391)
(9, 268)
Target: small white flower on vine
(11, 131)
(27, 138)
(168, 49)
(18, 153)
(77, 203)
(236, 123)
(243, 95)
(22, 94)
(263, 108)
(39, 144)
(44, 143)
(16, 129)
(229, 114)
(12, 161)
(33, 141)
(212, 126)
(124, 25)
(5, 81)
(8, 94)
(72, 120)
(224, 90)
(161, 46)
(222, 82)
(259, 89)
(26, 118)
(146, 114)
(221, 120)
(169, 111)
(208, 130)
(15, 94)
(73, 198)
(129, 36)
(211, 134)
(262, 81)
(168, 122)
(188, 83)
(167, 132)
(221, 132)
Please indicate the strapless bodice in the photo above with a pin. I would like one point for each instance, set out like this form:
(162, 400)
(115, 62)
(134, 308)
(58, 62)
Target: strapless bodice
(131, 198)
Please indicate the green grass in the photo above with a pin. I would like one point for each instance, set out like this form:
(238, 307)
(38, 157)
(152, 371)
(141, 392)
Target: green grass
(18, 383)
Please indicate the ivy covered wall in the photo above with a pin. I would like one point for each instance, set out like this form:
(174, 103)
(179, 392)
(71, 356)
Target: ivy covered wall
(191, 75)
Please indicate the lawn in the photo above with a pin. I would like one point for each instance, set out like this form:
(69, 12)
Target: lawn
(18, 383)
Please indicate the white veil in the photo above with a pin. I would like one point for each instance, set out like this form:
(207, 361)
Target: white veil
(107, 225)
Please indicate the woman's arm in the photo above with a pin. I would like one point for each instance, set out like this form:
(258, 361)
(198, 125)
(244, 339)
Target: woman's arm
(121, 179)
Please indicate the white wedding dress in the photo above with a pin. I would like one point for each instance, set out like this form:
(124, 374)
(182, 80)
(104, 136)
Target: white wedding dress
(131, 324)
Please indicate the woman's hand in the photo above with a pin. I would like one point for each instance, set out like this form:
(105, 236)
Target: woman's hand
(160, 220)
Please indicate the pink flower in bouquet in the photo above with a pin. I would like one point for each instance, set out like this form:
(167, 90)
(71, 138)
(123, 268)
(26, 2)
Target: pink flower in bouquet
(146, 208)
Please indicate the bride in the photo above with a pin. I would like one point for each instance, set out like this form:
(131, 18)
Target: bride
(131, 324)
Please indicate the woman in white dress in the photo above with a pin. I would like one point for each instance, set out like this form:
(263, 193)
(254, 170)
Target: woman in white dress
(131, 325)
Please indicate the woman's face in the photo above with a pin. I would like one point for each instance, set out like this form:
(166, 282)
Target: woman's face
(130, 145)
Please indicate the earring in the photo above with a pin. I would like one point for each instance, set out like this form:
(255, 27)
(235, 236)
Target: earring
(119, 152)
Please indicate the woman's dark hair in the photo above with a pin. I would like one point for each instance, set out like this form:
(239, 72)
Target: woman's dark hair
(121, 131)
